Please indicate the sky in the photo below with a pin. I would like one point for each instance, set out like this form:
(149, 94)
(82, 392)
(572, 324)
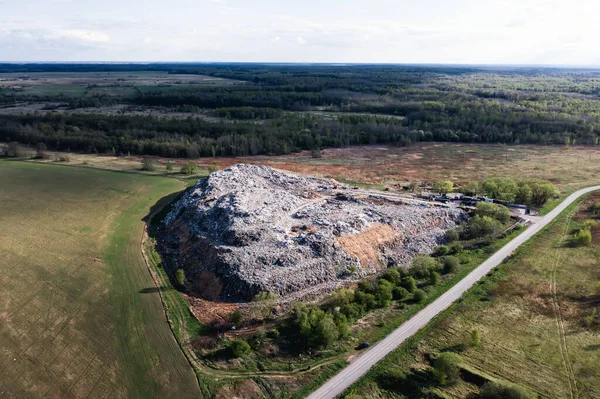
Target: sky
(524, 32)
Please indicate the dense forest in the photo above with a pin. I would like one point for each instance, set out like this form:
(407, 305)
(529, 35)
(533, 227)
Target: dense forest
(278, 109)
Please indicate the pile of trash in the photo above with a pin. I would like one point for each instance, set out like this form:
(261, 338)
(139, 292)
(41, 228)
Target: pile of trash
(249, 229)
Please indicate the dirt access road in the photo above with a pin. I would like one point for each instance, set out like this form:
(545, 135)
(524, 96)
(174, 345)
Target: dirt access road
(353, 372)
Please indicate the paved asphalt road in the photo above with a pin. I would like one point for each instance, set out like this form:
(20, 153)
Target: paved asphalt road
(352, 373)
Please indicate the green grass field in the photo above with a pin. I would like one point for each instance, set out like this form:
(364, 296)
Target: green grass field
(79, 312)
(536, 318)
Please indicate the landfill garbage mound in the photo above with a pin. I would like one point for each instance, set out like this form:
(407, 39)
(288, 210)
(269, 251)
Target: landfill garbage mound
(249, 229)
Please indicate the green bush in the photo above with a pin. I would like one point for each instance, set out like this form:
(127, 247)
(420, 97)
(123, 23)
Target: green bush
(180, 277)
(524, 193)
(504, 189)
(189, 168)
(213, 167)
(542, 192)
(451, 264)
(384, 293)
(419, 295)
(236, 318)
(400, 293)
(582, 238)
(590, 224)
(393, 276)
(498, 212)
(497, 390)
(368, 286)
(148, 165)
(239, 348)
(443, 186)
(409, 284)
(451, 235)
(482, 226)
(441, 250)
(326, 331)
(475, 337)
(446, 367)
(471, 189)
(434, 278)
(393, 379)
(367, 300)
(455, 248)
(422, 265)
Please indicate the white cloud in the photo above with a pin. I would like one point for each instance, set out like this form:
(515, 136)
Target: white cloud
(429, 31)
(83, 35)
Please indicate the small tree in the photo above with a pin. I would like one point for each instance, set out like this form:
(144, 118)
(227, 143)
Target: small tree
(451, 235)
(180, 277)
(236, 317)
(40, 151)
(582, 238)
(446, 367)
(590, 224)
(419, 295)
(393, 379)
(471, 189)
(264, 303)
(239, 348)
(409, 284)
(213, 167)
(451, 264)
(383, 293)
(422, 265)
(434, 278)
(497, 390)
(481, 226)
(393, 276)
(326, 332)
(13, 150)
(189, 168)
(443, 186)
(441, 251)
(169, 166)
(475, 337)
(495, 211)
(400, 293)
(542, 192)
(523, 194)
(148, 165)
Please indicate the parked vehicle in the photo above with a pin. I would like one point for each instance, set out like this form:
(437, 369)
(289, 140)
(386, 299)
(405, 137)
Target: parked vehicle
(363, 345)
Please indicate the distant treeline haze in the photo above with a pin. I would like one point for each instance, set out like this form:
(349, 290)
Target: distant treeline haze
(283, 109)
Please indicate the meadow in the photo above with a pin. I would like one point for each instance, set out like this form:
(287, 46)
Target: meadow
(568, 167)
(536, 318)
(79, 312)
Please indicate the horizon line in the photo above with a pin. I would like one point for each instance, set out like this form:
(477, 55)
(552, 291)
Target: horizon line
(426, 64)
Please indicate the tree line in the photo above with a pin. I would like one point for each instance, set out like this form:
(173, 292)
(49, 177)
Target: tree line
(517, 106)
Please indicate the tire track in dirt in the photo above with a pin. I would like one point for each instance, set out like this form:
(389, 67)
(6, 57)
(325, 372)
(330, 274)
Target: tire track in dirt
(560, 321)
